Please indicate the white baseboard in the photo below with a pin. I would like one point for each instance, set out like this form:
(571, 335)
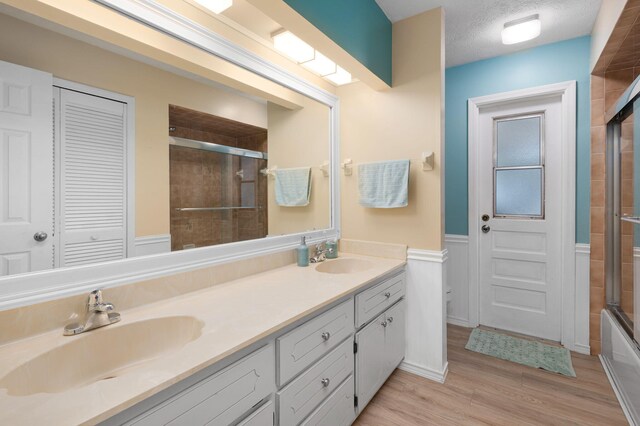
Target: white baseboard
(427, 373)
(582, 349)
(152, 244)
(458, 321)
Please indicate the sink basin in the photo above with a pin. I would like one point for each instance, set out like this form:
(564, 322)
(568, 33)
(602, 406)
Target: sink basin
(101, 354)
(344, 266)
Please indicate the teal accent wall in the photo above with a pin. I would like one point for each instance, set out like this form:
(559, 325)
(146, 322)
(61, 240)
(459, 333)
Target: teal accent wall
(552, 63)
(359, 26)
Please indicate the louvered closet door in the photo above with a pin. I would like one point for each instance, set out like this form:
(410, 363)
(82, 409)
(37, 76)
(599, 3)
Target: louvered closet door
(93, 179)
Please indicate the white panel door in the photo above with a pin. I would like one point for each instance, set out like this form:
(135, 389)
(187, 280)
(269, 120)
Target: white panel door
(93, 218)
(26, 169)
(520, 217)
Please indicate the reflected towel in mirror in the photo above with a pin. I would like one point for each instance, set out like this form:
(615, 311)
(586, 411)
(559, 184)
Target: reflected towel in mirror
(384, 184)
(293, 186)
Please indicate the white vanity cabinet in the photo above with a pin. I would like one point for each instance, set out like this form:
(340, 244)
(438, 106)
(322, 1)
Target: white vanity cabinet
(322, 370)
(219, 399)
(380, 349)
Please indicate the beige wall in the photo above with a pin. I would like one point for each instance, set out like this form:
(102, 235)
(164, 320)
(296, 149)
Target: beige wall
(153, 90)
(400, 123)
(300, 138)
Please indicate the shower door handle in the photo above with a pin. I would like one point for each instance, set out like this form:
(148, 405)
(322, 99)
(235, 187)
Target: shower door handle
(486, 228)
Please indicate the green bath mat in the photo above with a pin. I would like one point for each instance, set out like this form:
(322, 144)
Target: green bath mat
(526, 352)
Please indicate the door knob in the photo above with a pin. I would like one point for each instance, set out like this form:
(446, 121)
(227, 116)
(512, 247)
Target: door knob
(486, 228)
(40, 236)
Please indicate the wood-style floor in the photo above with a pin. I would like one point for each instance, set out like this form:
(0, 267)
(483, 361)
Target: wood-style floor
(482, 390)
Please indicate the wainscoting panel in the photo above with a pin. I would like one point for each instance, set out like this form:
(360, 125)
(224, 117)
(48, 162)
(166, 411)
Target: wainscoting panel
(152, 244)
(426, 351)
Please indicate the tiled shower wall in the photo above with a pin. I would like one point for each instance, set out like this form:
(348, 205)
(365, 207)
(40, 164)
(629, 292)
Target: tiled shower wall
(615, 70)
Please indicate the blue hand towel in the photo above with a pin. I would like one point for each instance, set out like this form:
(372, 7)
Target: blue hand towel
(384, 184)
(293, 186)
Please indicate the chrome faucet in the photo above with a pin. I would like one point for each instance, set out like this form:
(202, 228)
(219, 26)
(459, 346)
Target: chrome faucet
(98, 314)
(320, 254)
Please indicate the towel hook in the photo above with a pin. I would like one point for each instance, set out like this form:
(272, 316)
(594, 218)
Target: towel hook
(269, 171)
(347, 166)
(427, 160)
(324, 168)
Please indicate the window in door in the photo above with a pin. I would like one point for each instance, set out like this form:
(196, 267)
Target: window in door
(518, 167)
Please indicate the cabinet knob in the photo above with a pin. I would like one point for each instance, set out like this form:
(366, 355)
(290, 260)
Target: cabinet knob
(325, 382)
(326, 335)
(384, 323)
(390, 320)
(387, 295)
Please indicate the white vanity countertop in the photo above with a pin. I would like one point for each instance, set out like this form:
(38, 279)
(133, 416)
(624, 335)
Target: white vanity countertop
(235, 315)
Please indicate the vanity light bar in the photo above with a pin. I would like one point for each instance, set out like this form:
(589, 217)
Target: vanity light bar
(290, 45)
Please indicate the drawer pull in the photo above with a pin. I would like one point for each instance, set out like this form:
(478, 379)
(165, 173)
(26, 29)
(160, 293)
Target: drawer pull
(325, 382)
(384, 323)
(387, 295)
(326, 335)
(390, 320)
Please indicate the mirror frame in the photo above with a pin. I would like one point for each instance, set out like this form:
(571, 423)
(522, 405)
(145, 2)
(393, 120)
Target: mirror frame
(39, 286)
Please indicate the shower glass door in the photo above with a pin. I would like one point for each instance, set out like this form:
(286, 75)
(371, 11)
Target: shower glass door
(623, 291)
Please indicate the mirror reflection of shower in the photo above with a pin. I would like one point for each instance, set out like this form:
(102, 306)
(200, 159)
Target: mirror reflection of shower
(218, 194)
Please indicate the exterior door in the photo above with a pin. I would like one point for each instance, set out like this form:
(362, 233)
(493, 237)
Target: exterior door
(26, 170)
(519, 204)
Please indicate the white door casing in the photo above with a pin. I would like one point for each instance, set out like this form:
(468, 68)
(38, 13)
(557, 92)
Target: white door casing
(520, 255)
(521, 273)
(26, 169)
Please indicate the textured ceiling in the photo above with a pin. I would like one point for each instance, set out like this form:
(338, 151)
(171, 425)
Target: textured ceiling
(473, 26)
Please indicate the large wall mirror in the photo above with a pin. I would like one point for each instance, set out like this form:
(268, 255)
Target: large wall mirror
(108, 157)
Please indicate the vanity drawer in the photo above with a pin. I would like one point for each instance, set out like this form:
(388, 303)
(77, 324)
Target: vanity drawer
(376, 299)
(221, 398)
(304, 394)
(307, 343)
(337, 410)
(263, 416)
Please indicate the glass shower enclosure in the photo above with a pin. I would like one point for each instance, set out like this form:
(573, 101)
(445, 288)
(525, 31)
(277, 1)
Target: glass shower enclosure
(218, 194)
(623, 211)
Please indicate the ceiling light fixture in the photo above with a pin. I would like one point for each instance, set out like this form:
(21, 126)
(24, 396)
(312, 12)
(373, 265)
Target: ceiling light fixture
(287, 43)
(340, 77)
(216, 6)
(290, 45)
(521, 30)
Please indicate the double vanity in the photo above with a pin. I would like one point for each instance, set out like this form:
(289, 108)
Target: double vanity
(286, 346)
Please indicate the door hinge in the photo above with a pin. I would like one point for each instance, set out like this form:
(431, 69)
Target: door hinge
(355, 347)
(355, 400)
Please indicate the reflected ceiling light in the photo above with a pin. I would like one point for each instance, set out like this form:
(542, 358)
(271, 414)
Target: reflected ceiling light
(521, 30)
(216, 6)
(321, 65)
(340, 77)
(287, 43)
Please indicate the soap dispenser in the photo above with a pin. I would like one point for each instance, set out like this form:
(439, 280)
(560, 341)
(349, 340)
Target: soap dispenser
(332, 249)
(302, 252)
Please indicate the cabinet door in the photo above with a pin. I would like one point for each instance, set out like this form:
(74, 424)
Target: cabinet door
(370, 360)
(395, 336)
